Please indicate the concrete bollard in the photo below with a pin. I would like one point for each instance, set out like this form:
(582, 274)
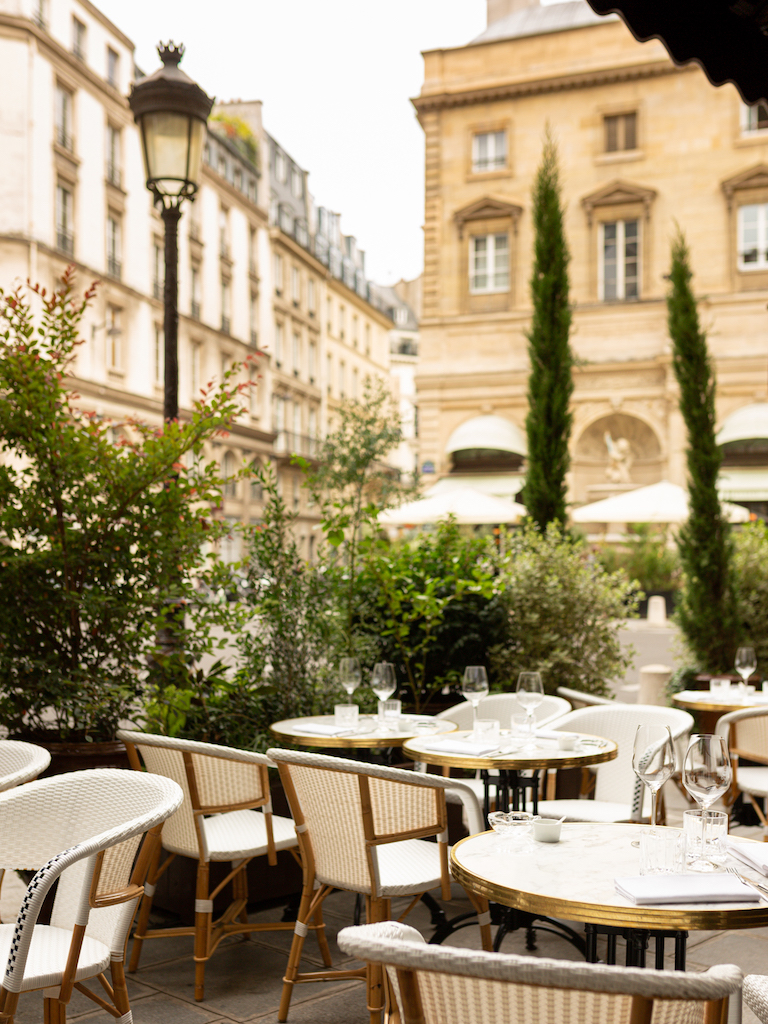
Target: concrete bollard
(657, 611)
(653, 684)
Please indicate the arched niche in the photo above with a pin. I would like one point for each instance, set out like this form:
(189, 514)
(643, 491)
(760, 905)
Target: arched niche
(638, 458)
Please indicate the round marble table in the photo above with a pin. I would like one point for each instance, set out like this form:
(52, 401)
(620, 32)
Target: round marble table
(574, 879)
(320, 731)
(712, 706)
(589, 750)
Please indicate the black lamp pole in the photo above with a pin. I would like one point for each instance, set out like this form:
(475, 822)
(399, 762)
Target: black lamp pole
(171, 112)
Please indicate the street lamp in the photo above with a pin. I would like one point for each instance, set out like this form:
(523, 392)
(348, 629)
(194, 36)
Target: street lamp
(171, 112)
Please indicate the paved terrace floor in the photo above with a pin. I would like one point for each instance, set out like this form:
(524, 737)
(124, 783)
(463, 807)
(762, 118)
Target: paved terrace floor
(243, 980)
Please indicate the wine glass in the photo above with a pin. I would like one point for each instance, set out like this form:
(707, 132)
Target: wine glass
(746, 663)
(349, 674)
(474, 686)
(383, 680)
(653, 760)
(530, 693)
(706, 776)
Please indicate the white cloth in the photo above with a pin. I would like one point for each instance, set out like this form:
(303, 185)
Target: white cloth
(318, 729)
(753, 854)
(449, 746)
(715, 888)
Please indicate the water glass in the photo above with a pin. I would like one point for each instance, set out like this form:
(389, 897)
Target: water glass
(487, 731)
(662, 851)
(519, 725)
(715, 832)
(389, 715)
(345, 716)
(719, 686)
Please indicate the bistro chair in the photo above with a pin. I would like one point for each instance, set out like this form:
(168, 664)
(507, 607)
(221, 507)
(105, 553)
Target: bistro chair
(435, 985)
(618, 793)
(746, 733)
(226, 816)
(85, 830)
(580, 699)
(503, 706)
(362, 828)
(756, 995)
(19, 763)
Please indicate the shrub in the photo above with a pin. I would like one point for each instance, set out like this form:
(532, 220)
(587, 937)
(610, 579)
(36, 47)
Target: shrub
(751, 574)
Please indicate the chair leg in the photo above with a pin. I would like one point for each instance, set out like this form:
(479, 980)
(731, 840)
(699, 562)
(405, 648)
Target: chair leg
(120, 991)
(240, 892)
(54, 1012)
(144, 910)
(294, 957)
(322, 941)
(203, 918)
(376, 910)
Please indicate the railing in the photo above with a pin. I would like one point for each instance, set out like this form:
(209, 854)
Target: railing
(114, 174)
(194, 310)
(114, 267)
(225, 324)
(65, 241)
(63, 138)
(289, 443)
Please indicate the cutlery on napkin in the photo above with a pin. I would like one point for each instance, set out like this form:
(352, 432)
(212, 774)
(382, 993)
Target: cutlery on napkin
(752, 854)
(647, 890)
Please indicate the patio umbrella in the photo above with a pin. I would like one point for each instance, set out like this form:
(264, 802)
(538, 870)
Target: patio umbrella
(466, 504)
(660, 503)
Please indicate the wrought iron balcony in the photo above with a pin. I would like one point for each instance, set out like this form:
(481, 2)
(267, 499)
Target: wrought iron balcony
(114, 267)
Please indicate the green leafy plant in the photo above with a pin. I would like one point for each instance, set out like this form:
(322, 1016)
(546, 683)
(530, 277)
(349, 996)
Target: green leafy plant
(563, 610)
(750, 565)
(550, 381)
(706, 611)
(103, 533)
(645, 556)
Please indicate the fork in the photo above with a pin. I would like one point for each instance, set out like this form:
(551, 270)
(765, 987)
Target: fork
(748, 881)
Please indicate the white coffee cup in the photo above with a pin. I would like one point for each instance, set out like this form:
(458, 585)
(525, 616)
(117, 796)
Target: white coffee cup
(546, 830)
(567, 741)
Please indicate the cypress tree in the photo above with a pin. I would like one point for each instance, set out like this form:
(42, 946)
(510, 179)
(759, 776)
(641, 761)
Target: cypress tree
(706, 611)
(550, 383)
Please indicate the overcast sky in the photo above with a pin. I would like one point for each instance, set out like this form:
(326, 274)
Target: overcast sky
(335, 77)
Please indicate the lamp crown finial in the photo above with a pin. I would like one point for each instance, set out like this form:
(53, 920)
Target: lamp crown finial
(170, 53)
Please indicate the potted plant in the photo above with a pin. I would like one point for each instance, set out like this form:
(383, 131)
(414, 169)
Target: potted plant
(102, 535)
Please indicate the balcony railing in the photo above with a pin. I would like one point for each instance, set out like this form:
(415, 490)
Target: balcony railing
(289, 443)
(225, 324)
(65, 241)
(194, 310)
(114, 267)
(114, 174)
(63, 138)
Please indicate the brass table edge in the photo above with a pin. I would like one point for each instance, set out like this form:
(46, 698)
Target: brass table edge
(342, 742)
(453, 760)
(692, 704)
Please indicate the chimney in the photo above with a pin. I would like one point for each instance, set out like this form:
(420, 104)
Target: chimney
(498, 9)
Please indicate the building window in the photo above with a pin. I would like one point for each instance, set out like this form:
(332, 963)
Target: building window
(158, 268)
(620, 132)
(253, 394)
(63, 117)
(329, 314)
(257, 487)
(754, 118)
(619, 260)
(114, 245)
(78, 38)
(342, 319)
(253, 318)
(65, 238)
(278, 272)
(281, 167)
(295, 285)
(279, 344)
(296, 494)
(114, 338)
(297, 184)
(194, 368)
(226, 306)
(194, 304)
(342, 375)
(355, 330)
(113, 156)
(489, 263)
(355, 390)
(113, 68)
(753, 237)
(224, 233)
(311, 296)
(252, 250)
(312, 424)
(228, 471)
(489, 151)
(296, 353)
(329, 372)
(40, 15)
(159, 355)
(368, 339)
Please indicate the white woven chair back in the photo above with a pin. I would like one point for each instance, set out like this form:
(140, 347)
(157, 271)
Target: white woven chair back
(20, 762)
(747, 732)
(107, 807)
(580, 699)
(492, 988)
(502, 706)
(224, 776)
(615, 780)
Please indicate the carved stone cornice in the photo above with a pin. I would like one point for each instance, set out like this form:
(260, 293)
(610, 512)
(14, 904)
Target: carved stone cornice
(754, 177)
(487, 208)
(618, 193)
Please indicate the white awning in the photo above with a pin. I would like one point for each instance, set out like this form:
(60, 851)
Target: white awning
(746, 424)
(489, 432)
(743, 484)
(500, 485)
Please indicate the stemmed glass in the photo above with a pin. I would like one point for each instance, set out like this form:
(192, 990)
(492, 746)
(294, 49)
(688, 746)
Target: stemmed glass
(383, 680)
(350, 674)
(746, 662)
(474, 686)
(530, 693)
(653, 760)
(706, 776)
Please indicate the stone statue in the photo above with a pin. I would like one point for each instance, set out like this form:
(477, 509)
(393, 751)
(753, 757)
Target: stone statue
(620, 459)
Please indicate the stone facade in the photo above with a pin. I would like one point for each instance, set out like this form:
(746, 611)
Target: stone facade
(642, 145)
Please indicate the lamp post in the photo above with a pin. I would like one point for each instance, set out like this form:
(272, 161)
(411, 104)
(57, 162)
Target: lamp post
(171, 112)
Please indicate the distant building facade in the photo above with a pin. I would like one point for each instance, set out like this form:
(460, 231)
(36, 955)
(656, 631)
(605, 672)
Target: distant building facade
(642, 144)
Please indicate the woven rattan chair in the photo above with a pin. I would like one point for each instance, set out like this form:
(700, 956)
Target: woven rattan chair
(756, 995)
(746, 733)
(503, 706)
(226, 816)
(435, 985)
(84, 829)
(618, 793)
(362, 828)
(579, 699)
(19, 763)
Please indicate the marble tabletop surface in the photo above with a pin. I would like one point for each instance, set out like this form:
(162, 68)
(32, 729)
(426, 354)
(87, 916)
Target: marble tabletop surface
(367, 733)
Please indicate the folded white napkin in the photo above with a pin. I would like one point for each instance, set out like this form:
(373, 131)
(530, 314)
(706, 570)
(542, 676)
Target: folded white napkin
(753, 854)
(317, 729)
(449, 746)
(716, 888)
